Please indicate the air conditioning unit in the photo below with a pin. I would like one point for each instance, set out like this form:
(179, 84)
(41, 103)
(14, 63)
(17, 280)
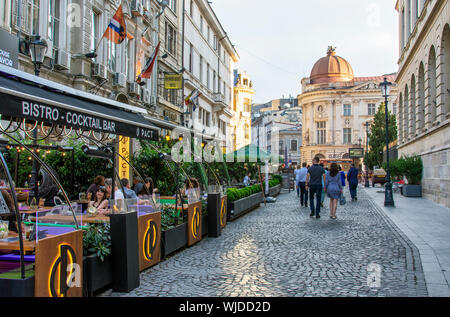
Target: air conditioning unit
(62, 59)
(137, 8)
(146, 96)
(119, 80)
(134, 89)
(99, 71)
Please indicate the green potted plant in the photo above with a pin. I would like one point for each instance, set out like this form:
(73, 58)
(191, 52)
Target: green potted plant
(97, 260)
(173, 230)
(412, 168)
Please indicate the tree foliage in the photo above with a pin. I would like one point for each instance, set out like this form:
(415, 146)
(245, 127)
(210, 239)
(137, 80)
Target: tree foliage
(377, 136)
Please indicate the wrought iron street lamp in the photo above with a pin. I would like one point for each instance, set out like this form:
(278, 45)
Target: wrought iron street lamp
(366, 183)
(388, 196)
(38, 48)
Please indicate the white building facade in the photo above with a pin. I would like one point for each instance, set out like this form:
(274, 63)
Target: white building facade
(209, 57)
(424, 91)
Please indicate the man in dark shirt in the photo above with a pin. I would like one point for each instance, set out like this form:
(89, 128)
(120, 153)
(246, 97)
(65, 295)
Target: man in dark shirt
(314, 178)
(352, 177)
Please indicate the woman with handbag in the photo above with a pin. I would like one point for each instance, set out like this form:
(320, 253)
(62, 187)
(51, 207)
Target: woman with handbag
(333, 188)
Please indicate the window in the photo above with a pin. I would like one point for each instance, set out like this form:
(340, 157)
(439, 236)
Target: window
(214, 81)
(201, 69)
(294, 145)
(394, 108)
(2, 12)
(171, 39)
(220, 85)
(321, 132)
(347, 135)
(191, 58)
(173, 5)
(209, 35)
(29, 16)
(347, 110)
(215, 42)
(208, 79)
(94, 30)
(201, 24)
(247, 105)
(402, 33)
(281, 148)
(371, 109)
(53, 22)
(191, 9)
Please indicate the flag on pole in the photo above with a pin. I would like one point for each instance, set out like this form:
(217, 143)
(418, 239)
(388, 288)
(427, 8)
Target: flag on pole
(148, 68)
(117, 28)
(193, 98)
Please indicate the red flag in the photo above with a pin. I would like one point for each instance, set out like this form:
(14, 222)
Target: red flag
(148, 68)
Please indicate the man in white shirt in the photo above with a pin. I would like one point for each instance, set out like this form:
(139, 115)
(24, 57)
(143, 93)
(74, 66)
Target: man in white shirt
(247, 180)
(302, 185)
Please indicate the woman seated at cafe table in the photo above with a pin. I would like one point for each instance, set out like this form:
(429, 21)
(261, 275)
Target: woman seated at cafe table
(144, 191)
(100, 201)
(98, 181)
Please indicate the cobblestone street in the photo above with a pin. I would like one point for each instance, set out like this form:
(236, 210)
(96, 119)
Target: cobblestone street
(278, 250)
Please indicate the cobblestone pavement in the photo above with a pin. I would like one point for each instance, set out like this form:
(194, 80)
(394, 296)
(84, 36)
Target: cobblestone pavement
(278, 250)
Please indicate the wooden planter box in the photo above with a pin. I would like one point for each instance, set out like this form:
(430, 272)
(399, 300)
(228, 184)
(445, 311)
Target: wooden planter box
(17, 287)
(149, 235)
(97, 274)
(239, 207)
(173, 239)
(275, 191)
(412, 190)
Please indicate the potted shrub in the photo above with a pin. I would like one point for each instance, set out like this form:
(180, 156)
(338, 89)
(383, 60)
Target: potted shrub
(97, 260)
(412, 167)
(173, 230)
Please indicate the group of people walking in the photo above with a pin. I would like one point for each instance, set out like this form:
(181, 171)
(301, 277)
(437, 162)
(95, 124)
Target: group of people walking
(316, 181)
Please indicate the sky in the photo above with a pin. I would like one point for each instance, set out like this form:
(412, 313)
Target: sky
(279, 41)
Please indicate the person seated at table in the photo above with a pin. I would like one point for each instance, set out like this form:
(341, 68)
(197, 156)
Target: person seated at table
(100, 201)
(98, 181)
(191, 188)
(10, 204)
(247, 180)
(128, 193)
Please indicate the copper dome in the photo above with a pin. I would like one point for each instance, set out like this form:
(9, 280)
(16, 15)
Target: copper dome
(331, 68)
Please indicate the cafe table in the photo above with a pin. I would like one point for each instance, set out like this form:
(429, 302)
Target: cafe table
(69, 219)
(28, 246)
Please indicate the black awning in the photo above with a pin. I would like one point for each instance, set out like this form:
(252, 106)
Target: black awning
(27, 100)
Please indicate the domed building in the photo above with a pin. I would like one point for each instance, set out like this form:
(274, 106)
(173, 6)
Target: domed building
(336, 106)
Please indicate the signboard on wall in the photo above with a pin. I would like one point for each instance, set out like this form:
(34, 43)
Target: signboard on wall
(356, 152)
(173, 81)
(124, 151)
(9, 49)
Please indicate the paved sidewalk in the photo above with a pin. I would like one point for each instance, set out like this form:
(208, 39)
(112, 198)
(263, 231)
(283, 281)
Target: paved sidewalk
(427, 225)
(278, 250)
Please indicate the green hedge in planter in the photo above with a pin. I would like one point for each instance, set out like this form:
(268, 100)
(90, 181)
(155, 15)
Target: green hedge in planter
(236, 194)
(410, 167)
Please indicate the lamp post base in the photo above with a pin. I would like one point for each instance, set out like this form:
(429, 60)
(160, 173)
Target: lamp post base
(388, 195)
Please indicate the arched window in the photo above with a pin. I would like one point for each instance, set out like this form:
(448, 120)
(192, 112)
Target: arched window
(400, 118)
(421, 99)
(446, 77)
(412, 115)
(405, 115)
(432, 86)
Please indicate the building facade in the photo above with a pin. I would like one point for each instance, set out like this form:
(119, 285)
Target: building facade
(241, 121)
(336, 106)
(209, 58)
(424, 91)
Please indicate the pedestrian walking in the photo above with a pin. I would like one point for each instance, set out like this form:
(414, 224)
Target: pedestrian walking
(333, 188)
(302, 185)
(314, 179)
(352, 177)
(297, 179)
(342, 173)
(322, 198)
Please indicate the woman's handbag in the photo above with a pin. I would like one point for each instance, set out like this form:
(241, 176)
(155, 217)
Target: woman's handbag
(342, 200)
